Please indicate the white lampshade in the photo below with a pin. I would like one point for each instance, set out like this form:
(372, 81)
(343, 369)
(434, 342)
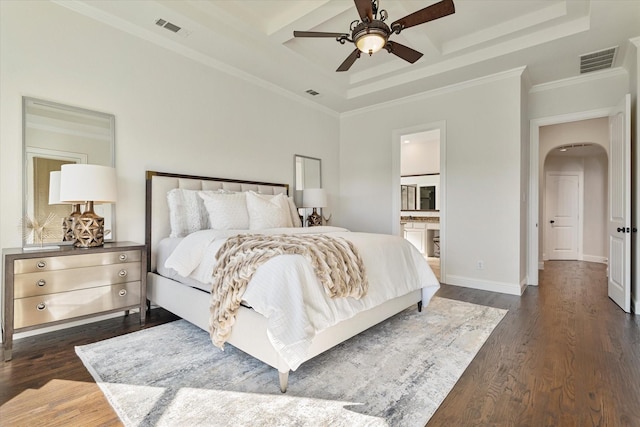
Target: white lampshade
(314, 198)
(81, 183)
(54, 188)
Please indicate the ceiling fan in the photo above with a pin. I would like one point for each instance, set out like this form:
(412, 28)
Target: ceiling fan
(371, 33)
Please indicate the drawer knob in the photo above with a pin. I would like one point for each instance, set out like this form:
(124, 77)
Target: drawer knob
(122, 273)
(122, 292)
(41, 282)
(41, 306)
(41, 264)
(123, 257)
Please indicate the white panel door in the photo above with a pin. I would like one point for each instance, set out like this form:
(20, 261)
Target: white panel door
(563, 210)
(619, 224)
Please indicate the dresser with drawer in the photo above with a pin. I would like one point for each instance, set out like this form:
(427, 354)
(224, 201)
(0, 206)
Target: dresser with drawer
(45, 287)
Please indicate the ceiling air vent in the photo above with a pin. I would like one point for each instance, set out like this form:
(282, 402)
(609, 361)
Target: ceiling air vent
(312, 92)
(598, 60)
(168, 25)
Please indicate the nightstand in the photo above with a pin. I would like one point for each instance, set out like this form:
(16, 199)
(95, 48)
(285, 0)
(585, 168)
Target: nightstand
(46, 287)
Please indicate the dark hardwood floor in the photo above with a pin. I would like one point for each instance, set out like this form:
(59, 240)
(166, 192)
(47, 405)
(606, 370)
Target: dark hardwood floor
(564, 355)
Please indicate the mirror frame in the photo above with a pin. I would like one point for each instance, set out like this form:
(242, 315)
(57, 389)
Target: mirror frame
(297, 192)
(83, 157)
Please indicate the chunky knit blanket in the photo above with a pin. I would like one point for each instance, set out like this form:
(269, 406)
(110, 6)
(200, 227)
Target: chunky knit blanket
(336, 262)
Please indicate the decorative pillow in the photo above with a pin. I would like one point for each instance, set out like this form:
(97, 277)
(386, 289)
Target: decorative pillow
(267, 211)
(186, 212)
(227, 211)
(295, 216)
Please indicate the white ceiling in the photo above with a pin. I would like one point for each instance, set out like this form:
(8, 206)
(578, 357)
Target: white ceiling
(254, 39)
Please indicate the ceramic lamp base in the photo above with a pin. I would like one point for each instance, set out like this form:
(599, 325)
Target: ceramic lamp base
(314, 219)
(89, 229)
(68, 224)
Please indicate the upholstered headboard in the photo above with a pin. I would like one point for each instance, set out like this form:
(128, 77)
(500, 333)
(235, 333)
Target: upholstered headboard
(157, 208)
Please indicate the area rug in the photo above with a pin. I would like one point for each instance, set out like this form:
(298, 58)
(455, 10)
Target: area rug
(394, 374)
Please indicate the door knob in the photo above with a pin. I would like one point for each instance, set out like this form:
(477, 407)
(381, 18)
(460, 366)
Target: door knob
(552, 222)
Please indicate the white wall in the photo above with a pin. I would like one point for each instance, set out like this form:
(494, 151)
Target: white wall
(420, 158)
(525, 181)
(172, 114)
(482, 170)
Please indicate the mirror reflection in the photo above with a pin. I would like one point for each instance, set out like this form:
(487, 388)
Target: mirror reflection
(307, 175)
(420, 192)
(53, 135)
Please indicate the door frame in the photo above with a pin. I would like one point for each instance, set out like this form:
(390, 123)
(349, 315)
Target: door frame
(580, 223)
(534, 261)
(396, 144)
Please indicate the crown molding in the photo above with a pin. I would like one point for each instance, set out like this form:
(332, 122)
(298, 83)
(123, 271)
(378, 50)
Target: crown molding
(585, 78)
(515, 72)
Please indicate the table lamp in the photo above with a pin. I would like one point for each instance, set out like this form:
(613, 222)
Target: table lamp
(54, 199)
(89, 184)
(314, 198)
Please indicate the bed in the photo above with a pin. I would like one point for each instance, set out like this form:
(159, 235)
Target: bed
(252, 332)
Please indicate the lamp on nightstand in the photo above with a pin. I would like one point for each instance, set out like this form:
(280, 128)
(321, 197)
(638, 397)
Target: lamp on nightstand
(314, 198)
(90, 184)
(54, 199)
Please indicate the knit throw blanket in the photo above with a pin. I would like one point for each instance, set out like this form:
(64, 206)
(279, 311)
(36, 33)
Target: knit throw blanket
(336, 263)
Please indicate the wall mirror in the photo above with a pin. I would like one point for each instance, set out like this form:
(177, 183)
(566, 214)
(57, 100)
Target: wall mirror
(56, 134)
(307, 175)
(420, 192)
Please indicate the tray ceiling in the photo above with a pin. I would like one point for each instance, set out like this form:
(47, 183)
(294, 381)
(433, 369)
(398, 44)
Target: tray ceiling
(254, 39)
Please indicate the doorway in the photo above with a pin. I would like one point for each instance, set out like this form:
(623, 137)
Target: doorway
(420, 212)
(574, 190)
(617, 145)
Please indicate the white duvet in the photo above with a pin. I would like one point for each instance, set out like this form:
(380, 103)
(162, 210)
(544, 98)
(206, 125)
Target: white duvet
(286, 291)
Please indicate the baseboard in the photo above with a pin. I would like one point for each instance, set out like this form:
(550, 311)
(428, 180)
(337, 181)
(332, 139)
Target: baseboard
(595, 258)
(485, 285)
(635, 305)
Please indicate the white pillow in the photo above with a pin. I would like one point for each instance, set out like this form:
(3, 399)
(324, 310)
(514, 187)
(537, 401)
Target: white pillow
(227, 211)
(186, 212)
(295, 216)
(267, 211)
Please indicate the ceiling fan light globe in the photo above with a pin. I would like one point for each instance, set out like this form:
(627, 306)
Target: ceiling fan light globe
(371, 43)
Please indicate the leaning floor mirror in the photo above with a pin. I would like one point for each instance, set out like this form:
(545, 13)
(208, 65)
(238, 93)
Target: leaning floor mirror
(53, 135)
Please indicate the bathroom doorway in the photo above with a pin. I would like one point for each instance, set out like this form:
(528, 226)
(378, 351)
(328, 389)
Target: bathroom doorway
(421, 194)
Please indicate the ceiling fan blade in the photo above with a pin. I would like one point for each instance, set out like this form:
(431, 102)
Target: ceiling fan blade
(317, 34)
(349, 61)
(403, 52)
(364, 9)
(429, 13)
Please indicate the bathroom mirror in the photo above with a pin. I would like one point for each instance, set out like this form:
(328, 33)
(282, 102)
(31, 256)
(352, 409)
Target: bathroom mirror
(420, 192)
(307, 175)
(55, 134)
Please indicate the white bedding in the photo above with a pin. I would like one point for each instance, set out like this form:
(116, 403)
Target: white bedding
(286, 291)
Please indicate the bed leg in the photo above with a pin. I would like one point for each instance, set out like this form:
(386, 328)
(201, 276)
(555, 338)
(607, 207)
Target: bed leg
(284, 381)
(420, 306)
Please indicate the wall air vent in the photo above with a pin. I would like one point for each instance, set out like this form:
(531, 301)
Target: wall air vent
(312, 92)
(172, 27)
(598, 60)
